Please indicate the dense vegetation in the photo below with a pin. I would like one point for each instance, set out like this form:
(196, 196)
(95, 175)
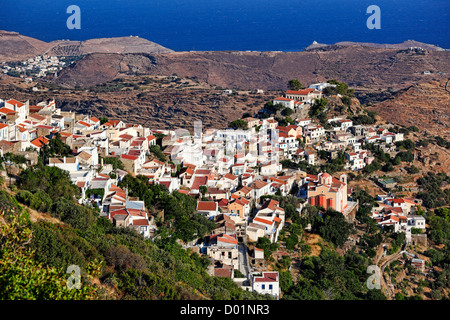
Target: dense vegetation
(126, 263)
(433, 195)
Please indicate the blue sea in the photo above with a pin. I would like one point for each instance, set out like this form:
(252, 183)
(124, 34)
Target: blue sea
(181, 25)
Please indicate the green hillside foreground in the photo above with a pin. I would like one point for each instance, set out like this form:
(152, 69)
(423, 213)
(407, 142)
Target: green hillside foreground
(115, 263)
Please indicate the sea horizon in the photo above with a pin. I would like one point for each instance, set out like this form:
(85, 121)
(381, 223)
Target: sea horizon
(232, 25)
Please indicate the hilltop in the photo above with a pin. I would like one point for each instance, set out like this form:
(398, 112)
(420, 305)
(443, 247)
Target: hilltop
(404, 45)
(365, 68)
(15, 47)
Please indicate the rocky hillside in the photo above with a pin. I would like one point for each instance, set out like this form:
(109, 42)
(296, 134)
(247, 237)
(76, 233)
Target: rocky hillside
(157, 102)
(360, 66)
(404, 45)
(106, 45)
(425, 105)
(16, 47)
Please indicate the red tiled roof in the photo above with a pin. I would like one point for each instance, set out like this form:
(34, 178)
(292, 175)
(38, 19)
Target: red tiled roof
(140, 222)
(230, 176)
(206, 206)
(84, 123)
(263, 221)
(226, 238)
(267, 277)
(39, 142)
(199, 181)
(126, 136)
(300, 92)
(15, 102)
(126, 156)
(6, 111)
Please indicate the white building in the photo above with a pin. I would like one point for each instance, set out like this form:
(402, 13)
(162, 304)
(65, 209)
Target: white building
(267, 283)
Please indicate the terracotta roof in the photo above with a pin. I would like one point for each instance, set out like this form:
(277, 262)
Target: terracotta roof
(206, 206)
(230, 176)
(128, 157)
(259, 184)
(81, 184)
(263, 221)
(223, 203)
(271, 204)
(267, 277)
(140, 222)
(37, 116)
(15, 102)
(223, 272)
(226, 238)
(39, 142)
(84, 155)
(6, 111)
(300, 92)
(84, 123)
(199, 181)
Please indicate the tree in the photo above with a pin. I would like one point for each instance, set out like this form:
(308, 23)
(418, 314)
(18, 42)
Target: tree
(114, 161)
(335, 228)
(238, 124)
(103, 120)
(287, 112)
(413, 170)
(156, 150)
(203, 190)
(56, 147)
(295, 84)
(23, 278)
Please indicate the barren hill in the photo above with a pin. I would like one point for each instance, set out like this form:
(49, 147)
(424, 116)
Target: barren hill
(105, 45)
(404, 45)
(359, 66)
(426, 106)
(16, 47)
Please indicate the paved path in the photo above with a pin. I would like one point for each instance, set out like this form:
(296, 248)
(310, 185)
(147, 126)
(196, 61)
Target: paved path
(243, 260)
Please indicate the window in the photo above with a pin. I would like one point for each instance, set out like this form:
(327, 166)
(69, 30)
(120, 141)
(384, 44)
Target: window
(263, 286)
(270, 287)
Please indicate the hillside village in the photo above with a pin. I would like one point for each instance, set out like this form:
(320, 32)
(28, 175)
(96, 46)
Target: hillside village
(36, 67)
(232, 173)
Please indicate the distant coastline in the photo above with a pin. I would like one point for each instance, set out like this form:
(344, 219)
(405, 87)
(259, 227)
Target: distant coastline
(137, 44)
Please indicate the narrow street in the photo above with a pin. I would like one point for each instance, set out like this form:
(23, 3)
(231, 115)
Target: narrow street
(243, 260)
(386, 285)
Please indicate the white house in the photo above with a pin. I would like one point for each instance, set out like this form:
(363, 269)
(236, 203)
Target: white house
(3, 131)
(68, 164)
(260, 188)
(416, 221)
(286, 102)
(208, 208)
(270, 168)
(267, 283)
